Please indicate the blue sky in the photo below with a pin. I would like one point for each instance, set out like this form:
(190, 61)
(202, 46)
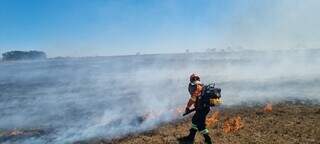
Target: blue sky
(116, 27)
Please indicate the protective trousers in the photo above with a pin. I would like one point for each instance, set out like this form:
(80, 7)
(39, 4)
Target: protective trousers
(199, 124)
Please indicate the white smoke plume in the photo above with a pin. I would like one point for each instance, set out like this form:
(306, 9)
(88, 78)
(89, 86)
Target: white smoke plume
(271, 24)
(106, 97)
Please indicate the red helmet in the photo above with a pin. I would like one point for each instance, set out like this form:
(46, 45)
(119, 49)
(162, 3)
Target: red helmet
(194, 77)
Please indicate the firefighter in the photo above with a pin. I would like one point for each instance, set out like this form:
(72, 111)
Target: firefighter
(199, 118)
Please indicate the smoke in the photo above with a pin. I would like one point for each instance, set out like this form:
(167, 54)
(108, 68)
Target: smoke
(274, 24)
(79, 99)
(82, 99)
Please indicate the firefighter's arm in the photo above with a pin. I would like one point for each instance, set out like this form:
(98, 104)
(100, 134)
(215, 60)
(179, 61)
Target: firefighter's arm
(194, 96)
(191, 101)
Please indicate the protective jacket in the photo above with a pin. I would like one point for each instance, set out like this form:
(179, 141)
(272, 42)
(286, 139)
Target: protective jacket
(195, 90)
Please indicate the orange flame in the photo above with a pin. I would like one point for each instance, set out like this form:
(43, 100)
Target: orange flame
(156, 114)
(268, 108)
(232, 124)
(210, 121)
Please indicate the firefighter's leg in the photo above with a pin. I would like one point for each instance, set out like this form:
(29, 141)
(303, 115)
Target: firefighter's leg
(207, 139)
(193, 130)
(202, 126)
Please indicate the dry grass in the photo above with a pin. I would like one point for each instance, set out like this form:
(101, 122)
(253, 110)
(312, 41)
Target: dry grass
(287, 123)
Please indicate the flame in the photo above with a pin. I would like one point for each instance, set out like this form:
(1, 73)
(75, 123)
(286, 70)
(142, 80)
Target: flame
(268, 107)
(152, 115)
(232, 124)
(156, 114)
(210, 121)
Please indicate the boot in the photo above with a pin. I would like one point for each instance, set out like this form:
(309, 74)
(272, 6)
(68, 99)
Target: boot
(192, 134)
(190, 137)
(207, 139)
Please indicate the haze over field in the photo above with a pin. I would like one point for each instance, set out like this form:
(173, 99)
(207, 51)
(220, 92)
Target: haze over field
(86, 98)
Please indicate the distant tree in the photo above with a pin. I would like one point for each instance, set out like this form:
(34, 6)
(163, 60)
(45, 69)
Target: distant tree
(23, 55)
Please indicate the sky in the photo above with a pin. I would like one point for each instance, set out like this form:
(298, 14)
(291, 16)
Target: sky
(121, 27)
